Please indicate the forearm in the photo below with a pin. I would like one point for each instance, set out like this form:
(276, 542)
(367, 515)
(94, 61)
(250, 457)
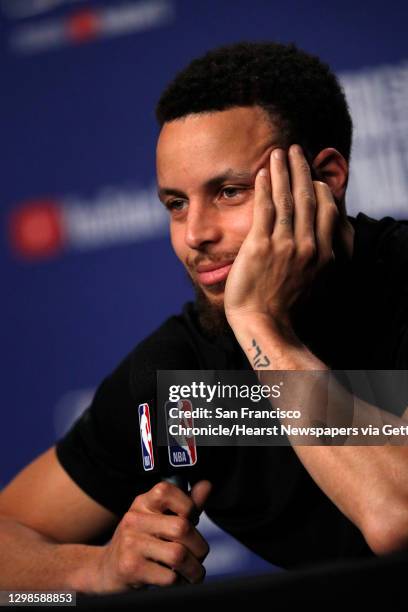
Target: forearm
(369, 484)
(30, 560)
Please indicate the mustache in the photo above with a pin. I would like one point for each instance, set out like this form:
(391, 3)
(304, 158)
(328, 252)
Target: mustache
(214, 258)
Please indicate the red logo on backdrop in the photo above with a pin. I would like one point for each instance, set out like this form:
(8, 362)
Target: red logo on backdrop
(83, 26)
(36, 229)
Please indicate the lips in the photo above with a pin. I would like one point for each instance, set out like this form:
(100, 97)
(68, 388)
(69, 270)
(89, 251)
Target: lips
(210, 274)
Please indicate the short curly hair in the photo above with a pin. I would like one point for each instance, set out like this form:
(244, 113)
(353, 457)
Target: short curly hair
(297, 90)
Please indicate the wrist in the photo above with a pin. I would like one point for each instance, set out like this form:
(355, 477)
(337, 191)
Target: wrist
(85, 575)
(261, 324)
(270, 344)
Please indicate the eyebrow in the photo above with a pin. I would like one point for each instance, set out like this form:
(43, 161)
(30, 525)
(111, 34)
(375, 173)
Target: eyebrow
(215, 181)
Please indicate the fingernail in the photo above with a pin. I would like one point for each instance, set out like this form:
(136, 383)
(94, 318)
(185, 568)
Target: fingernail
(263, 172)
(297, 149)
(278, 153)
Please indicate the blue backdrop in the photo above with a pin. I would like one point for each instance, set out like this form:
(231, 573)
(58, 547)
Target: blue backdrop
(86, 266)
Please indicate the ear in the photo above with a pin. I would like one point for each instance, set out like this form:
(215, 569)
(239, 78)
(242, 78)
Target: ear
(330, 167)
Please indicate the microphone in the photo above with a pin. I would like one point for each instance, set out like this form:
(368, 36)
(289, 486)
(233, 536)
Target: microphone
(179, 480)
(181, 448)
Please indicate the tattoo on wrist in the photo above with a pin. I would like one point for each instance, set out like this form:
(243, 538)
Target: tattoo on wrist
(259, 360)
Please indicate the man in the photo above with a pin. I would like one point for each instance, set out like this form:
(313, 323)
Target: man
(278, 266)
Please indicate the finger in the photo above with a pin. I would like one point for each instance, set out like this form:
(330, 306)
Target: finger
(151, 572)
(326, 221)
(200, 493)
(170, 528)
(177, 558)
(181, 530)
(165, 497)
(281, 194)
(303, 195)
(264, 210)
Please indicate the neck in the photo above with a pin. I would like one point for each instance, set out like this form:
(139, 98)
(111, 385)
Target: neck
(343, 243)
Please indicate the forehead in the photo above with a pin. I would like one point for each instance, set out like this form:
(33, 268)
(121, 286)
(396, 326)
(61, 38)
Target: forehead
(207, 143)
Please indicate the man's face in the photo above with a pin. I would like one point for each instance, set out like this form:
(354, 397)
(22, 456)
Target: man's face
(206, 168)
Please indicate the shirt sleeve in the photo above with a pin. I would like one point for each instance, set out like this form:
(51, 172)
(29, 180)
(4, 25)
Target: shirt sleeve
(384, 252)
(396, 252)
(102, 452)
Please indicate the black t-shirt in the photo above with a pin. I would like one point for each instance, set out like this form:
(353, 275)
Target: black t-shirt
(356, 318)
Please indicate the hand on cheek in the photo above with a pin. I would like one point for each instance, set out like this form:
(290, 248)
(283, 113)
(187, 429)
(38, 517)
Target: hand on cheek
(290, 240)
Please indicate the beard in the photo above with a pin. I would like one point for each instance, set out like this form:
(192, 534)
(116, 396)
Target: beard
(211, 315)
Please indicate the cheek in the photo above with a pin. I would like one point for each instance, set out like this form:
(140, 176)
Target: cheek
(239, 222)
(177, 241)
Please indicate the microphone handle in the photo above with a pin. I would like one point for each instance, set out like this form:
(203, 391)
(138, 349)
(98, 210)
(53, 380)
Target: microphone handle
(179, 480)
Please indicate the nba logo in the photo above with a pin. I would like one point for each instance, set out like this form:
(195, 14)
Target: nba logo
(146, 437)
(181, 446)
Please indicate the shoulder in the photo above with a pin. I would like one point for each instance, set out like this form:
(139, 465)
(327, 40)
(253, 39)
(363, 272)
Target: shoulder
(380, 260)
(384, 240)
(169, 347)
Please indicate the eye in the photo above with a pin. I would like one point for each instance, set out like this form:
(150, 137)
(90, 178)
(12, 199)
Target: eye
(231, 192)
(175, 205)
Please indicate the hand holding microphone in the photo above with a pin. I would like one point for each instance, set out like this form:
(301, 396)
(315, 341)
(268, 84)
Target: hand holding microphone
(151, 546)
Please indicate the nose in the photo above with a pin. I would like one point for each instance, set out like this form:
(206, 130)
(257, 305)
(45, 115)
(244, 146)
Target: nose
(203, 225)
